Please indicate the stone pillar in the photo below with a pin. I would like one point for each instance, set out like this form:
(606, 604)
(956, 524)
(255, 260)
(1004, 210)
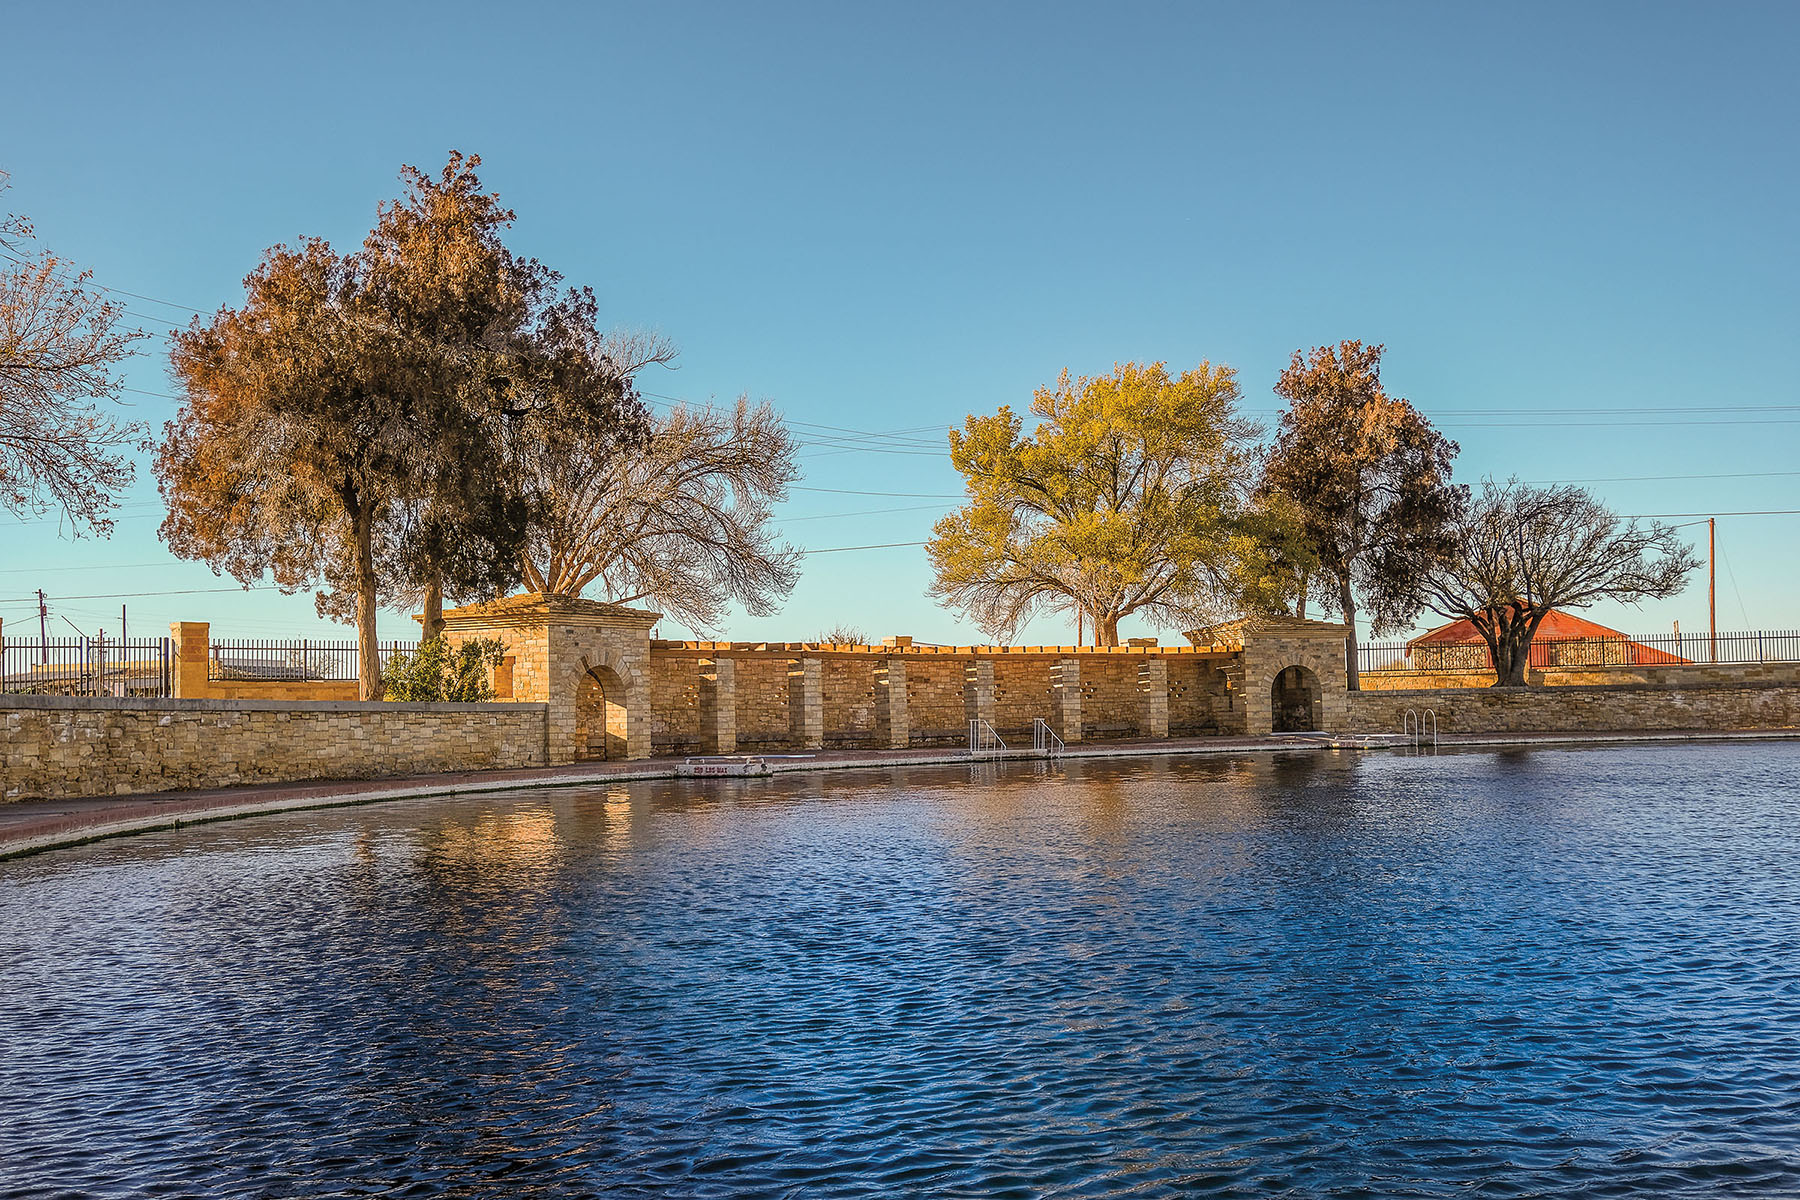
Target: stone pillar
(1065, 699)
(718, 706)
(1153, 696)
(978, 691)
(893, 729)
(806, 704)
(193, 645)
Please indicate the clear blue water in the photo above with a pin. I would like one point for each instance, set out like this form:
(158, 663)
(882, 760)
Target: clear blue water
(1536, 973)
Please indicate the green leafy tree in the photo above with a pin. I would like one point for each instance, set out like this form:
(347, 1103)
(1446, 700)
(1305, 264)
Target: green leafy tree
(1521, 551)
(437, 673)
(1128, 497)
(1369, 480)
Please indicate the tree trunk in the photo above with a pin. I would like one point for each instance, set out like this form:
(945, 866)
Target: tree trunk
(1352, 676)
(433, 624)
(368, 656)
(1512, 649)
(1305, 586)
(1106, 629)
(1515, 656)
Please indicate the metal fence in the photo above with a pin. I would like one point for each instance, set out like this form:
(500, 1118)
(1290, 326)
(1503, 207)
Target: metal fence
(244, 661)
(82, 666)
(1655, 649)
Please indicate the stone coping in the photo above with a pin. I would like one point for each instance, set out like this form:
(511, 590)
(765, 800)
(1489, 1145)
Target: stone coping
(1563, 689)
(195, 705)
(813, 649)
(30, 827)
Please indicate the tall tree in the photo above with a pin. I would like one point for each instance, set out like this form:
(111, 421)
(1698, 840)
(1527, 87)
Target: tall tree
(683, 521)
(1521, 551)
(61, 344)
(353, 427)
(293, 445)
(1128, 497)
(1370, 479)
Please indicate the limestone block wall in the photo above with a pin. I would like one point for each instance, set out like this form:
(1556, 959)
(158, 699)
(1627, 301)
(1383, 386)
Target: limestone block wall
(1021, 694)
(675, 704)
(1585, 709)
(62, 747)
(798, 696)
(935, 701)
(762, 702)
(1111, 703)
(1676, 673)
(847, 693)
(1198, 700)
(1269, 650)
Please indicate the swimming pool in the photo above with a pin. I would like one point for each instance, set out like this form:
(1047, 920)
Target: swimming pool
(1537, 972)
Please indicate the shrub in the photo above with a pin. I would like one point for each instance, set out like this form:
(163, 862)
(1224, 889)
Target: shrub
(437, 673)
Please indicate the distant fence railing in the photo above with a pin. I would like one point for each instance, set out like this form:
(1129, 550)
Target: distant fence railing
(252, 661)
(82, 666)
(1655, 649)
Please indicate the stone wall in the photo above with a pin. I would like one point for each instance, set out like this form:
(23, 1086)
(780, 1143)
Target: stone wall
(1671, 673)
(900, 694)
(1585, 709)
(57, 747)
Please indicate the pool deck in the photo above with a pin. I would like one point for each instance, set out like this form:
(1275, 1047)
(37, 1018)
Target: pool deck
(31, 826)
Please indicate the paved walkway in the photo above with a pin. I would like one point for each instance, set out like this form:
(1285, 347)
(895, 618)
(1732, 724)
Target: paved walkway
(30, 826)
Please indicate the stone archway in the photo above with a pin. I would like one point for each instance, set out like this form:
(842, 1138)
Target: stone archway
(602, 714)
(1294, 700)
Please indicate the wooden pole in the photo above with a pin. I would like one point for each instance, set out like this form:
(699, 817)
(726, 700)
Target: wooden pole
(1712, 611)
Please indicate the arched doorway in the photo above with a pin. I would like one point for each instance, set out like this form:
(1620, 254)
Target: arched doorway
(1294, 700)
(601, 722)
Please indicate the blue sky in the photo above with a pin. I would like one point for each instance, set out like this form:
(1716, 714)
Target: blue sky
(884, 220)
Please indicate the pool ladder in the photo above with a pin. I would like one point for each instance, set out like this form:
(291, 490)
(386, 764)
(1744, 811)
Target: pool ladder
(1412, 724)
(984, 741)
(1044, 740)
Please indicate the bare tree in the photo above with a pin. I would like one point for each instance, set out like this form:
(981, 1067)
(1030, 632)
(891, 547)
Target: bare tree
(682, 523)
(1522, 551)
(60, 347)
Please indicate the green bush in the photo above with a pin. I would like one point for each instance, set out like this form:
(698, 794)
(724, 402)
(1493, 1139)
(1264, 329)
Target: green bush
(437, 673)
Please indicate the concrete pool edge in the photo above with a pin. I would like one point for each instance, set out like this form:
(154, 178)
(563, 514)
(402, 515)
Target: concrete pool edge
(104, 818)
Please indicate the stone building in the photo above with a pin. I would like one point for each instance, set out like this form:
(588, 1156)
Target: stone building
(614, 692)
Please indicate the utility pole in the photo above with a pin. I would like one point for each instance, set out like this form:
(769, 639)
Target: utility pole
(43, 629)
(121, 626)
(1712, 569)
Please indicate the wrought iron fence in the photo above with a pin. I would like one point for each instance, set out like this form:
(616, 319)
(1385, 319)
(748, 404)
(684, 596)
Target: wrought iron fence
(1655, 649)
(245, 661)
(83, 666)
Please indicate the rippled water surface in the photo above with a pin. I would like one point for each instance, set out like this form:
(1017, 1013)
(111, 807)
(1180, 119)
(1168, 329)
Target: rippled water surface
(1545, 973)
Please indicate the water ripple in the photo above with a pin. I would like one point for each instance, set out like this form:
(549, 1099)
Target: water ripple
(1513, 974)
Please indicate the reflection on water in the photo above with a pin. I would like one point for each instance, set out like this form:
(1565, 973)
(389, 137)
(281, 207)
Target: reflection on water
(1552, 973)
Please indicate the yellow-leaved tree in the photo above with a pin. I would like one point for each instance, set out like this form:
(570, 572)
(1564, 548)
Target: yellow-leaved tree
(1131, 495)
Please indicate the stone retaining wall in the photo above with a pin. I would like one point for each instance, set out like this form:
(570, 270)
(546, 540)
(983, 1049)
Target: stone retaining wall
(56, 746)
(1585, 709)
(1675, 673)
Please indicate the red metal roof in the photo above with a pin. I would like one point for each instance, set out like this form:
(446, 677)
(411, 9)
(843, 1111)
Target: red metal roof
(1557, 626)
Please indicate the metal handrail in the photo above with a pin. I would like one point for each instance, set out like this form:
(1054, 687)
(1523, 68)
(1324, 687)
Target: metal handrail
(984, 739)
(1044, 740)
(1412, 724)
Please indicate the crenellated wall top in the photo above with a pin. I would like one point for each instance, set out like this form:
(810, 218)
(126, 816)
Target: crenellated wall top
(916, 650)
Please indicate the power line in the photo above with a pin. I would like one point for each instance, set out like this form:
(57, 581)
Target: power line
(135, 595)
(1658, 478)
(894, 495)
(867, 512)
(1766, 512)
(877, 546)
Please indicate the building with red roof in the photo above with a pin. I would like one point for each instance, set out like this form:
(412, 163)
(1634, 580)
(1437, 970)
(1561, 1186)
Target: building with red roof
(1563, 640)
